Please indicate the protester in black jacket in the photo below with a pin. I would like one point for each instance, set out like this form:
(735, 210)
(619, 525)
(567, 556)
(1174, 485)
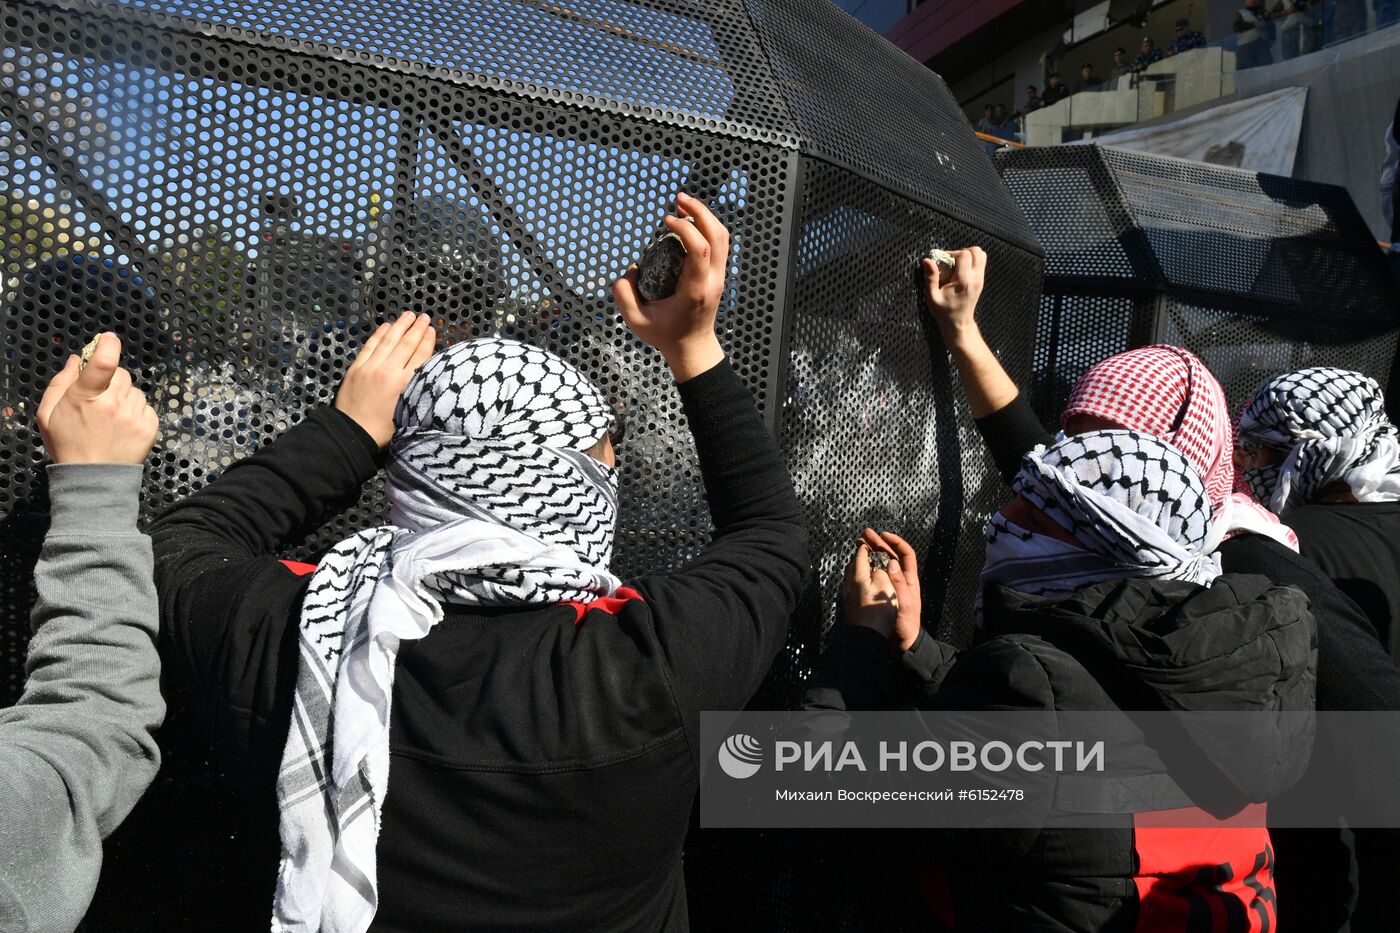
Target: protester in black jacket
(1098, 596)
(1354, 672)
(540, 749)
(1317, 447)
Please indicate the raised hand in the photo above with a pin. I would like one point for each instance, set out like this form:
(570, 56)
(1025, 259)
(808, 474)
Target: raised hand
(682, 326)
(952, 296)
(370, 390)
(94, 414)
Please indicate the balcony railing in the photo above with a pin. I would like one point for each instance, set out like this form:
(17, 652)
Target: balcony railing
(1198, 76)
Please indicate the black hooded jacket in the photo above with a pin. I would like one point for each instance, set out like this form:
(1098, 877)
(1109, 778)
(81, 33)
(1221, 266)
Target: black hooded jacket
(1241, 644)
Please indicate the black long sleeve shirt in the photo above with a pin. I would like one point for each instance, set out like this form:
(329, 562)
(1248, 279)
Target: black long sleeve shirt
(543, 764)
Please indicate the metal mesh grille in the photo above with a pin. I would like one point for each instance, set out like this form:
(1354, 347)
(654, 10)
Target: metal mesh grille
(243, 191)
(1073, 332)
(875, 429)
(1246, 350)
(883, 115)
(674, 60)
(261, 231)
(1256, 273)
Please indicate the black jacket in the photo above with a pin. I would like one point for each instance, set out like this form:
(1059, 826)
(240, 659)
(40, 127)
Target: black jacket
(1242, 644)
(1354, 672)
(1357, 544)
(544, 760)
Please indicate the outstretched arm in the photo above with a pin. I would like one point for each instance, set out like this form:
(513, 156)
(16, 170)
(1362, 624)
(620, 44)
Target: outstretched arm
(1004, 418)
(722, 619)
(78, 749)
(952, 300)
(225, 599)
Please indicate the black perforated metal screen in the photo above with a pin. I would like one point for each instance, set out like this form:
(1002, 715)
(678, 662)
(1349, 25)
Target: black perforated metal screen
(244, 189)
(1255, 273)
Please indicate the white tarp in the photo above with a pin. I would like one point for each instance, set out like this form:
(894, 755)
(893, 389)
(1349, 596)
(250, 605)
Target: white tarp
(1259, 134)
(1352, 88)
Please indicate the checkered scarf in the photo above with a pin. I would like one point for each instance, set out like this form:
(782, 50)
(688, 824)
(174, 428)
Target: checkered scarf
(1144, 390)
(492, 502)
(1333, 424)
(1134, 504)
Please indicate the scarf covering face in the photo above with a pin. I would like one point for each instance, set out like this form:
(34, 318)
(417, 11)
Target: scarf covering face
(1134, 503)
(492, 502)
(1144, 390)
(1333, 423)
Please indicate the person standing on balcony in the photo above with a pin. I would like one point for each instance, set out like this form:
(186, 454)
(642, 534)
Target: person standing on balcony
(1032, 101)
(1088, 81)
(1186, 38)
(1148, 54)
(1004, 125)
(1254, 35)
(1055, 91)
(1121, 66)
(985, 125)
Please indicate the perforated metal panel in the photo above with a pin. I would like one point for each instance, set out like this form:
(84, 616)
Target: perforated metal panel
(244, 189)
(874, 427)
(1255, 273)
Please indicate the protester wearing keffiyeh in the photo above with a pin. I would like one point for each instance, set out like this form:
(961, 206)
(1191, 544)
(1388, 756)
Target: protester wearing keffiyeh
(493, 501)
(1134, 505)
(1333, 425)
(1167, 391)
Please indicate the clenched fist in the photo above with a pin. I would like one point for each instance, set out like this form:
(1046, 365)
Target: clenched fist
(94, 414)
(682, 326)
(952, 296)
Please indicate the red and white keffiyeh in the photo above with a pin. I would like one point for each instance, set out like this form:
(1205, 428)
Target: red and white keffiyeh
(1148, 390)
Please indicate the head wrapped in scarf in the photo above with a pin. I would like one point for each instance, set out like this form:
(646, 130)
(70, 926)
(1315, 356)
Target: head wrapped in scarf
(1134, 505)
(1333, 424)
(1168, 392)
(493, 501)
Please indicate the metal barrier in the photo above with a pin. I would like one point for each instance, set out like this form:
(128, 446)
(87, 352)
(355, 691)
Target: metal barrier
(243, 189)
(1255, 273)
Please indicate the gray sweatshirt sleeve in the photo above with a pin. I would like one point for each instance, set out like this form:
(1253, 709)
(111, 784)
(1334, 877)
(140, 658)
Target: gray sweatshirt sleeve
(78, 750)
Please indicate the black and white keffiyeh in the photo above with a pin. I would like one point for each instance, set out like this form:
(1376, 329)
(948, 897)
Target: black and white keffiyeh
(1333, 424)
(1134, 504)
(492, 501)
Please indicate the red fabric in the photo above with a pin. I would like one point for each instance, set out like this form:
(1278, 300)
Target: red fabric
(298, 568)
(608, 604)
(1143, 390)
(1204, 880)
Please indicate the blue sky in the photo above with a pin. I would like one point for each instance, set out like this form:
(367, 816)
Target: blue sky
(173, 155)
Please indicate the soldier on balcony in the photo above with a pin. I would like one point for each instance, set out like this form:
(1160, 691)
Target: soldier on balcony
(1186, 38)
(1148, 54)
